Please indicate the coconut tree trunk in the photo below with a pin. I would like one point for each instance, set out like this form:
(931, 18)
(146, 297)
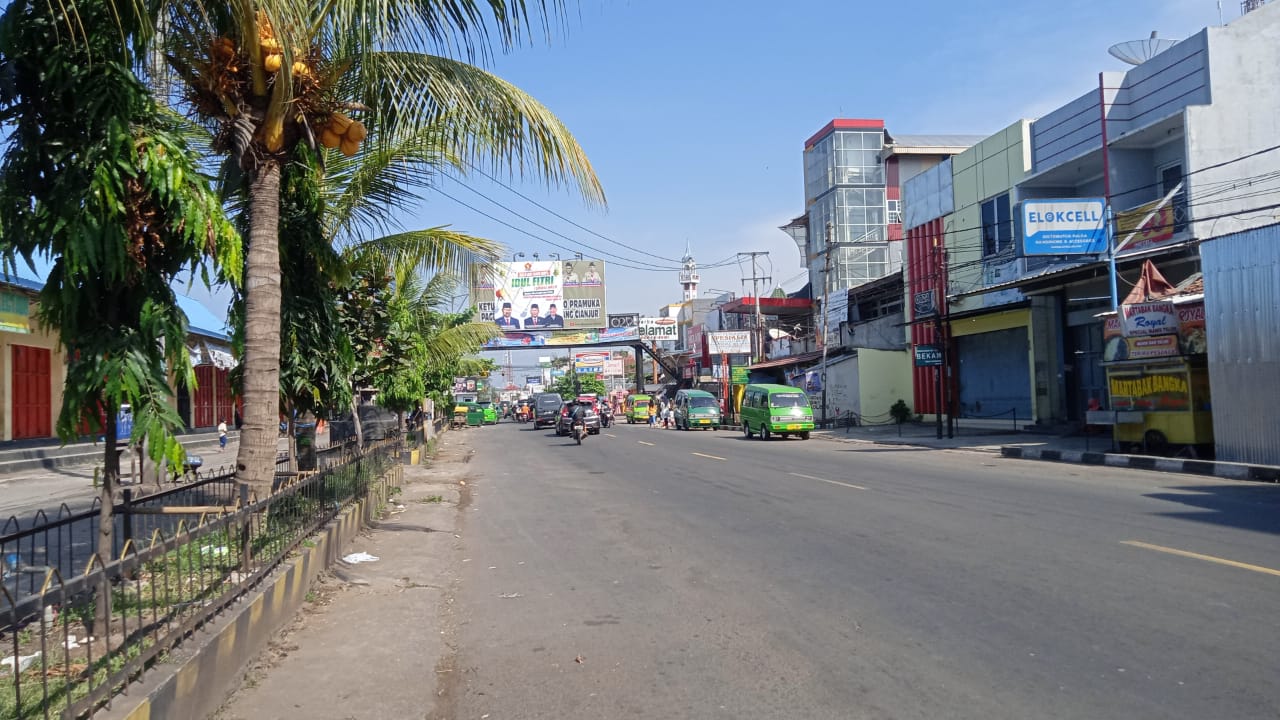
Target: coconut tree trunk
(255, 463)
(355, 419)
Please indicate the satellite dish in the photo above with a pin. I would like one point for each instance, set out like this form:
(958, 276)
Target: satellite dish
(1136, 52)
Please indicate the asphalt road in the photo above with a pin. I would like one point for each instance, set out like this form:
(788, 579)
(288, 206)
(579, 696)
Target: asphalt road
(665, 574)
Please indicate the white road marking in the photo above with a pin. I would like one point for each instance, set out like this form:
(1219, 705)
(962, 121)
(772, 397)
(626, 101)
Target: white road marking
(645, 443)
(713, 457)
(610, 435)
(831, 482)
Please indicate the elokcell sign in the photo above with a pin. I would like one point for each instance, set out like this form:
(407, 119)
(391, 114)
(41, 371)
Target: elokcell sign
(1064, 227)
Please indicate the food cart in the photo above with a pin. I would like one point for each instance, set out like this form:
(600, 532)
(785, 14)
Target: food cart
(1155, 358)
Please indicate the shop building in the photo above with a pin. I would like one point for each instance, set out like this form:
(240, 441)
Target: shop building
(1181, 148)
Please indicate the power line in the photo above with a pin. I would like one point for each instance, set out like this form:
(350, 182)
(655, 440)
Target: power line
(571, 222)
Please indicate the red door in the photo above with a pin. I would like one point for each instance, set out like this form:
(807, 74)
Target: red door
(32, 393)
(202, 401)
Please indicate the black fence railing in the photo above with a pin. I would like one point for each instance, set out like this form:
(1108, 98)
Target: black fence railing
(80, 627)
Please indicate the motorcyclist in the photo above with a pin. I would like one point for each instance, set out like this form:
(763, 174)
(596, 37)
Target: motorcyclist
(578, 416)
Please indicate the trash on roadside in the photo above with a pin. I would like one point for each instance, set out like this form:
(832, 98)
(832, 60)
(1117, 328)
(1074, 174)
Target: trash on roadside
(578, 659)
(359, 557)
(22, 661)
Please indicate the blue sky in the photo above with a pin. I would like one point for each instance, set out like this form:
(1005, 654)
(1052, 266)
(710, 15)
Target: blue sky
(695, 114)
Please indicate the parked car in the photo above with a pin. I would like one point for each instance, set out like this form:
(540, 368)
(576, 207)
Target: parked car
(546, 408)
(376, 423)
(591, 419)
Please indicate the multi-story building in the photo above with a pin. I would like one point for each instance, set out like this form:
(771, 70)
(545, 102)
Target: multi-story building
(1181, 147)
(853, 173)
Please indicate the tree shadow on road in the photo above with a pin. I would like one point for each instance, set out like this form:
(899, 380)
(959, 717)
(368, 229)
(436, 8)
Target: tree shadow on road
(1245, 507)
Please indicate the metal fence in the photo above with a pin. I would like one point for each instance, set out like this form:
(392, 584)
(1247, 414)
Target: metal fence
(80, 628)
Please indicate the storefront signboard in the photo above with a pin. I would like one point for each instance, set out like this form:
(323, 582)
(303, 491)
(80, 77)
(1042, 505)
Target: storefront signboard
(1152, 318)
(928, 355)
(1074, 226)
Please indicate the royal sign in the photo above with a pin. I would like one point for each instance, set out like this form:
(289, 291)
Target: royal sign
(1064, 227)
(1151, 318)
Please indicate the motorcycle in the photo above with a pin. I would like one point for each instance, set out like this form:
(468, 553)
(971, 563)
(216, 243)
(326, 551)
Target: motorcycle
(579, 431)
(606, 416)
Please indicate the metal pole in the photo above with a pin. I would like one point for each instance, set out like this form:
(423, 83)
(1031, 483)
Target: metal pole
(826, 320)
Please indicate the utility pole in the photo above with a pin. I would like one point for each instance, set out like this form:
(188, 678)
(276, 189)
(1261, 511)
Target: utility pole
(937, 339)
(755, 292)
(826, 318)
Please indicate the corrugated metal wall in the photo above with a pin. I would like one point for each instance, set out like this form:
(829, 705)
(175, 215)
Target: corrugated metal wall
(1242, 321)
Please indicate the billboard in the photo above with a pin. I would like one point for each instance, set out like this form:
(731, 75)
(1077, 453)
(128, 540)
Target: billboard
(659, 328)
(563, 338)
(624, 320)
(482, 293)
(528, 295)
(733, 342)
(584, 307)
(1064, 227)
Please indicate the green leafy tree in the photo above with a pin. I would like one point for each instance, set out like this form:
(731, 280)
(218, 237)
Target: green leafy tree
(270, 75)
(99, 180)
(565, 385)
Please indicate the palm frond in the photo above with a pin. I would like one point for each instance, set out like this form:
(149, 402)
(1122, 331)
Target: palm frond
(486, 120)
(455, 342)
(428, 250)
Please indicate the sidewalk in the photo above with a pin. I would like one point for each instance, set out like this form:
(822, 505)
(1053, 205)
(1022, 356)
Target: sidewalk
(1081, 449)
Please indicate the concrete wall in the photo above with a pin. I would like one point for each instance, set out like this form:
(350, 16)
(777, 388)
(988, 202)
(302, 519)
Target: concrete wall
(928, 195)
(991, 167)
(843, 378)
(1159, 88)
(885, 377)
(1244, 62)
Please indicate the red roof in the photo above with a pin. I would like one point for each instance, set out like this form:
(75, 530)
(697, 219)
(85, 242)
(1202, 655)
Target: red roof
(784, 307)
(844, 124)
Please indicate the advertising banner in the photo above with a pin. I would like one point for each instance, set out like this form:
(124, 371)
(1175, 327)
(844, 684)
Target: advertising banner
(528, 296)
(924, 304)
(583, 307)
(837, 312)
(614, 367)
(659, 329)
(14, 312)
(482, 292)
(739, 375)
(1156, 229)
(1185, 337)
(624, 320)
(533, 380)
(729, 342)
(1064, 227)
(1153, 318)
(563, 338)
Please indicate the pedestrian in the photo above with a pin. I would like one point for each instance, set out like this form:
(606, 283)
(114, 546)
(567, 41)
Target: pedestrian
(653, 414)
(222, 435)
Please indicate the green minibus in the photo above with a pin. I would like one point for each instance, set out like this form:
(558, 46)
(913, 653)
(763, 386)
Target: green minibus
(776, 410)
(697, 409)
(638, 408)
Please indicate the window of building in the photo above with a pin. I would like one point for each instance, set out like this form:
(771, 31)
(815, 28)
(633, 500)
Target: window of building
(1169, 176)
(895, 212)
(997, 225)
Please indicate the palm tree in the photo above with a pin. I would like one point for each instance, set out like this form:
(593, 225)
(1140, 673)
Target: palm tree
(98, 179)
(269, 75)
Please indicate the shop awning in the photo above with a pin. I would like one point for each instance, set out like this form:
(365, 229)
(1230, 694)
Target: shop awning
(1057, 275)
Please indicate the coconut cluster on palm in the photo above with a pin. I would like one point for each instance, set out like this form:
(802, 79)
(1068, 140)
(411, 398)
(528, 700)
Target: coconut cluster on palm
(222, 76)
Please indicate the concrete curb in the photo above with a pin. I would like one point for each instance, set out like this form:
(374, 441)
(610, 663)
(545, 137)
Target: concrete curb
(198, 684)
(907, 442)
(1214, 468)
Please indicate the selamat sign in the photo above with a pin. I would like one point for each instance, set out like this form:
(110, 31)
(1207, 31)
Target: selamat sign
(659, 329)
